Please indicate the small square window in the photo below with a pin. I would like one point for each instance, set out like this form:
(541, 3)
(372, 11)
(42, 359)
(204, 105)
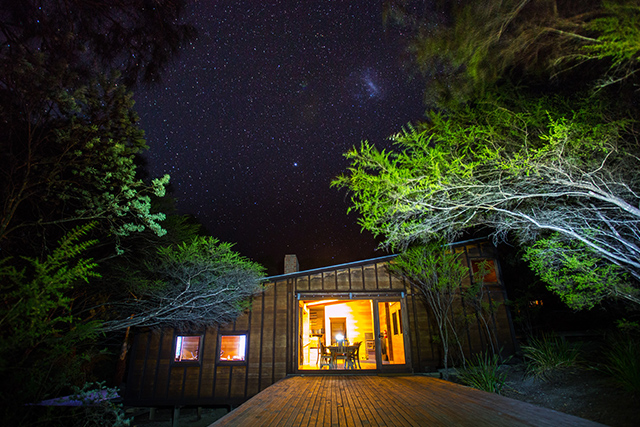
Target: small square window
(187, 349)
(485, 270)
(233, 348)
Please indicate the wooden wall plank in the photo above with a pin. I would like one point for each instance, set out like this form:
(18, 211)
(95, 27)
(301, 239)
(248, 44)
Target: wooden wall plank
(357, 279)
(302, 284)
(280, 332)
(370, 278)
(315, 282)
(209, 357)
(342, 280)
(268, 338)
(255, 346)
(329, 281)
(382, 276)
(237, 386)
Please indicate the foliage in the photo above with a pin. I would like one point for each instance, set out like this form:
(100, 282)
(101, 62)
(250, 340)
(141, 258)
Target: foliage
(42, 343)
(618, 41)
(512, 162)
(70, 147)
(548, 355)
(137, 36)
(483, 309)
(467, 46)
(437, 273)
(623, 362)
(98, 408)
(194, 284)
(484, 373)
(576, 273)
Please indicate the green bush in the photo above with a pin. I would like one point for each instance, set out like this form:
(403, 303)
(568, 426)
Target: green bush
(548, 355)
(484, 374)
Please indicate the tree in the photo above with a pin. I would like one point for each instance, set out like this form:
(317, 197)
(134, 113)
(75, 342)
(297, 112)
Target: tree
(194, 284)
(466, 47)
(575, 273)
(513, 163)
(68, 155)
(69, 132)
(437, 273)
(139, 37)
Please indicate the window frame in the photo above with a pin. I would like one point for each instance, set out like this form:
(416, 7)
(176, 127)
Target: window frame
(174, 347)
(477, 260)
(221, 362)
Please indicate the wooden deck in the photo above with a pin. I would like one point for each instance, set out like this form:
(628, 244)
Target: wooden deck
(387, 401)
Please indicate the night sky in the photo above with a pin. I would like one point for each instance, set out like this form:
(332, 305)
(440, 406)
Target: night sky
(253, 118)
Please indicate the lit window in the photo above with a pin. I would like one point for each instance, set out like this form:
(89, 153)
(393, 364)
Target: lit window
(484, 270)
(187, 348)
(233, 348)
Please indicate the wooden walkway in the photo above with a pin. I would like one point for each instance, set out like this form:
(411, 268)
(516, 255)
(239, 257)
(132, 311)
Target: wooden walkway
(387, 401)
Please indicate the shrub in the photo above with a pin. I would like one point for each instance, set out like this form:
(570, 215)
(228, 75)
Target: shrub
(623, 362)
(484, 373)
(548, 355)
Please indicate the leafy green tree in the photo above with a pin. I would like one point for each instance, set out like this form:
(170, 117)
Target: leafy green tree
(437, 273)
(576, 273)
(514, 163)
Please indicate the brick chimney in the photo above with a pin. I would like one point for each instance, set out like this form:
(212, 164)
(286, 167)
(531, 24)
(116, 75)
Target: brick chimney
(291, 264)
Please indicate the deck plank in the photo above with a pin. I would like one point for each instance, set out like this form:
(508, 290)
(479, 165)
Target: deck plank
(368, 401)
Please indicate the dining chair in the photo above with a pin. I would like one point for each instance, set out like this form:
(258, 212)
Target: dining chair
(340, 353)
(353, 357)
(324, 357)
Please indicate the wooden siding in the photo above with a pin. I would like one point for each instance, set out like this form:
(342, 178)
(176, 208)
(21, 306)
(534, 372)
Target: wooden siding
(270, 325)
(388, 401)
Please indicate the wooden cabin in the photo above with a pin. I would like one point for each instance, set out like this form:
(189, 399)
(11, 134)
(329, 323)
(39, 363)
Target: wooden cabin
(296, 318)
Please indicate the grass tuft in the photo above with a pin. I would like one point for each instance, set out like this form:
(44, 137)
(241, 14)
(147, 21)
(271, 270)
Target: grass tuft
(549, 355)
(623, 362)
(484, 374)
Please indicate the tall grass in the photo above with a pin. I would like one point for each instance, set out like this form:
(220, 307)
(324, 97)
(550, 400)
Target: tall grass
(623, 362)
(483, 373)
(549, 355)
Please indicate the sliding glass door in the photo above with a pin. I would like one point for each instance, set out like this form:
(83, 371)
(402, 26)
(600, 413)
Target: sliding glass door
(346, 334)
(390, 340)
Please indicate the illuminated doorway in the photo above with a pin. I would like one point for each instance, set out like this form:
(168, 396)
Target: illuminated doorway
(359, 334)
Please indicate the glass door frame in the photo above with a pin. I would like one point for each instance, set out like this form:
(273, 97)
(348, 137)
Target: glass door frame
(375, 298)
(401, 367)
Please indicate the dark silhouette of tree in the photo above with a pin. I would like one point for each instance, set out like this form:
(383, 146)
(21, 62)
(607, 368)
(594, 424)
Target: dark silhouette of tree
(467, 46)
(138, 37)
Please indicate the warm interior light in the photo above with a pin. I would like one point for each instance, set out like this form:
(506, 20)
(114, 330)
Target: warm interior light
(339, 337)
(233, 347)
(187, 348)
(326, 301)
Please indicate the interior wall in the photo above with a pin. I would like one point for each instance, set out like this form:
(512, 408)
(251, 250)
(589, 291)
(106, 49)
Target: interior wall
(358, 317)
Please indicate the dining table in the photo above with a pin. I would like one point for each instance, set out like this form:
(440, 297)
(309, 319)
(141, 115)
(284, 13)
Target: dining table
(337, 350)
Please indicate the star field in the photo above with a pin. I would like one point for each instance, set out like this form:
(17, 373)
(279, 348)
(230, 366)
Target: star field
(253, 118)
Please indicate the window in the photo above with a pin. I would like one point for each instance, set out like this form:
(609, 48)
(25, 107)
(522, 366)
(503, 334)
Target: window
(397, 322)
(485, 270)
(187, 348)
(233, 348)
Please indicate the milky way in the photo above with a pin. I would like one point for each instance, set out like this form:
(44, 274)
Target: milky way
(253, 119)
